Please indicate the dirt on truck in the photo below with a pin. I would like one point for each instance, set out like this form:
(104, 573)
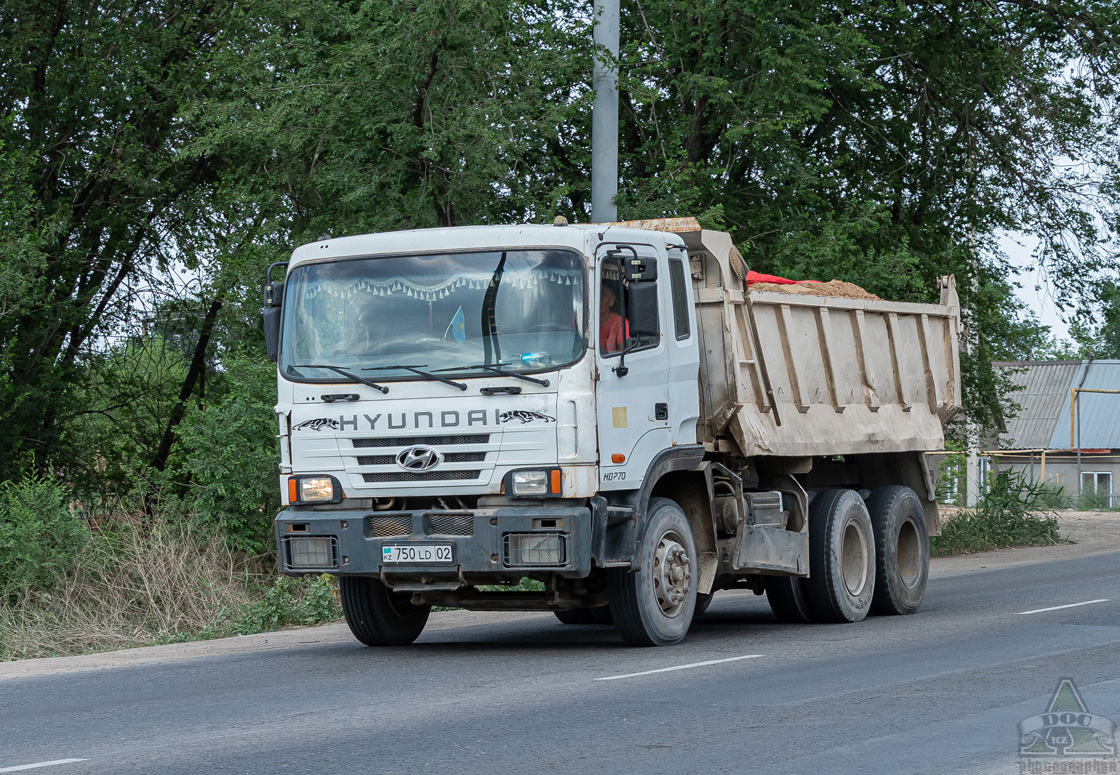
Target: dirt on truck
(606, 409)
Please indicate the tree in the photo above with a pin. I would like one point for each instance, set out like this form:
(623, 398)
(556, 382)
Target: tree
(881, 143)
(1096, 328)
(351, 118)
(92, 138)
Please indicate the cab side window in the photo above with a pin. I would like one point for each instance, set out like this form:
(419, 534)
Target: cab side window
(681, 312)
(614, 328)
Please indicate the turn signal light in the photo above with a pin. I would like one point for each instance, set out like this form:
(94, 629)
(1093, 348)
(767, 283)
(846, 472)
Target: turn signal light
(618, 457)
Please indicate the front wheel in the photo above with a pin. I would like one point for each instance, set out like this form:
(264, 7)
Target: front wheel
(654, 605)
(378, 616)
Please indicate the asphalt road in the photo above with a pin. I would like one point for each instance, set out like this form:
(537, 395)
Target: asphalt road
(938, 692)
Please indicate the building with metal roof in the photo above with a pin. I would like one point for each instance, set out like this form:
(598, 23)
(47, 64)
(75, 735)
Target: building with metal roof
(1064, 426)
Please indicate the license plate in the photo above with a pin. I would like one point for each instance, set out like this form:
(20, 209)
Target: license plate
(418, 554)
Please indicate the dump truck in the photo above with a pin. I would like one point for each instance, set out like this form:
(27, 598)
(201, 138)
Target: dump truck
(605, 410)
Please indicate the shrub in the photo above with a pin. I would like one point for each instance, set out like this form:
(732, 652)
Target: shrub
(140, 584)
(1009, 514)
(1053, 496)
(1091, 501)
(229, 452)
(291, 602)
(40, 539)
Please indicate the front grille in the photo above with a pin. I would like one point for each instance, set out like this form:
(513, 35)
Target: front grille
(450, 457)
(427, 476)
(409, 441)
(387, 527)
(451, 524)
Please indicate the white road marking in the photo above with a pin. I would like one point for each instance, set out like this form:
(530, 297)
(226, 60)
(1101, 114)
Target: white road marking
(1040, 610)
(37, 765)
(679, 667)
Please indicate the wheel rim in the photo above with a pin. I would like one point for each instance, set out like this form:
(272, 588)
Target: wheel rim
(672, 574)
(909, 553)
(854, 557)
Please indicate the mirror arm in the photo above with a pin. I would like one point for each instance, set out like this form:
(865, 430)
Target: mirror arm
(622, 369)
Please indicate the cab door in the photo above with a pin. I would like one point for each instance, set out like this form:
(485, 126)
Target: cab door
(632, 403)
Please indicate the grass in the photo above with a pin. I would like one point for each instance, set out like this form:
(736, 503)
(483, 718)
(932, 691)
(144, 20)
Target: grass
(163, 583)
(1012, 512)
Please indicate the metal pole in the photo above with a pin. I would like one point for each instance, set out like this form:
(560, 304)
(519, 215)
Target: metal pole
(1077, 412)
(604, 117)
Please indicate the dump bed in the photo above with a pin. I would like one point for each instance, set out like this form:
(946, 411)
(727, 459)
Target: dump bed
(803, 375)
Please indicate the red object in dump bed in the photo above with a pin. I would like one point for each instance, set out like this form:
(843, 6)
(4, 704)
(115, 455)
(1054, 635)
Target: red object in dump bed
(758, 277)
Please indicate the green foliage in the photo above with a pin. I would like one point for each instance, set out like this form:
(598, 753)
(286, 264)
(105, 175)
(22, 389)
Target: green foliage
(1052, 495)
(40, 539)
(160, 581)
(1010, 513)
(90, 139)
(1091, 501)
(228, 453)
(291, 602)
(121, 413)
(1096, 328)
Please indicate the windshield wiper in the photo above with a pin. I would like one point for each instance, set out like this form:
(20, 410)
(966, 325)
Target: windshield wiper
(490, 349)
(344, 373)
(498, 370)
(416, 370)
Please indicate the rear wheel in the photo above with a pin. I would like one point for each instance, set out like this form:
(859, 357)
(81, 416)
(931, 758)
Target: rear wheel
(789, 599)
(654, 605)
(902, 549)
(378, 616)
(841, 557)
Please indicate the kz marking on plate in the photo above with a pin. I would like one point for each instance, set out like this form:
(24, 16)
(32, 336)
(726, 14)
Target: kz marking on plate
(417, 554)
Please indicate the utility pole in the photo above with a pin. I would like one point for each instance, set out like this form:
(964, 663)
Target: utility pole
(604, 116)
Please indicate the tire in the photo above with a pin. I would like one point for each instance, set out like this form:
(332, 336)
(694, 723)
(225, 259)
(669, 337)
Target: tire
(841, 557)
(654, 605)
(377, 616)
(788, 597)
(575, 616)
(902, 549)
(702, 603)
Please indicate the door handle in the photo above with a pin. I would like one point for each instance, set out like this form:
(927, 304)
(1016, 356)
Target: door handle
(661, 411)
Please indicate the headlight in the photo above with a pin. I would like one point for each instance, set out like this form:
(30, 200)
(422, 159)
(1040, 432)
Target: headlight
(537, 483)
(314, 489)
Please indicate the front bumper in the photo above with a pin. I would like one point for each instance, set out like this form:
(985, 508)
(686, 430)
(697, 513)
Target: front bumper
(484, 543)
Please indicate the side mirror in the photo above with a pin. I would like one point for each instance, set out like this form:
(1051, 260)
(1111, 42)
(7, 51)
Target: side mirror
(641, 308)
(273, 301)
(271, 332)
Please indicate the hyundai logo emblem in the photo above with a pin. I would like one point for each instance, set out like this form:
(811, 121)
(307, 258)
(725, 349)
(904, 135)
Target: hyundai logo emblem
(418, 458)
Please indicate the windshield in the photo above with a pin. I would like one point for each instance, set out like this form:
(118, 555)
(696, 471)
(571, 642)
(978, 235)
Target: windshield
(522, 310)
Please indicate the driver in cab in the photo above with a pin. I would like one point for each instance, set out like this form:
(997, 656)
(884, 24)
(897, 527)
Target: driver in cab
(610, 322)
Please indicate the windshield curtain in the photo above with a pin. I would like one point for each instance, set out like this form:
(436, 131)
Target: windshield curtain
(434, 312)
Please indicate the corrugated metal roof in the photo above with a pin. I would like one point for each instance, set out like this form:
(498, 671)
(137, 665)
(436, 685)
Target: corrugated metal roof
(1043, 420)
(1100, 413)
(1045, 386)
